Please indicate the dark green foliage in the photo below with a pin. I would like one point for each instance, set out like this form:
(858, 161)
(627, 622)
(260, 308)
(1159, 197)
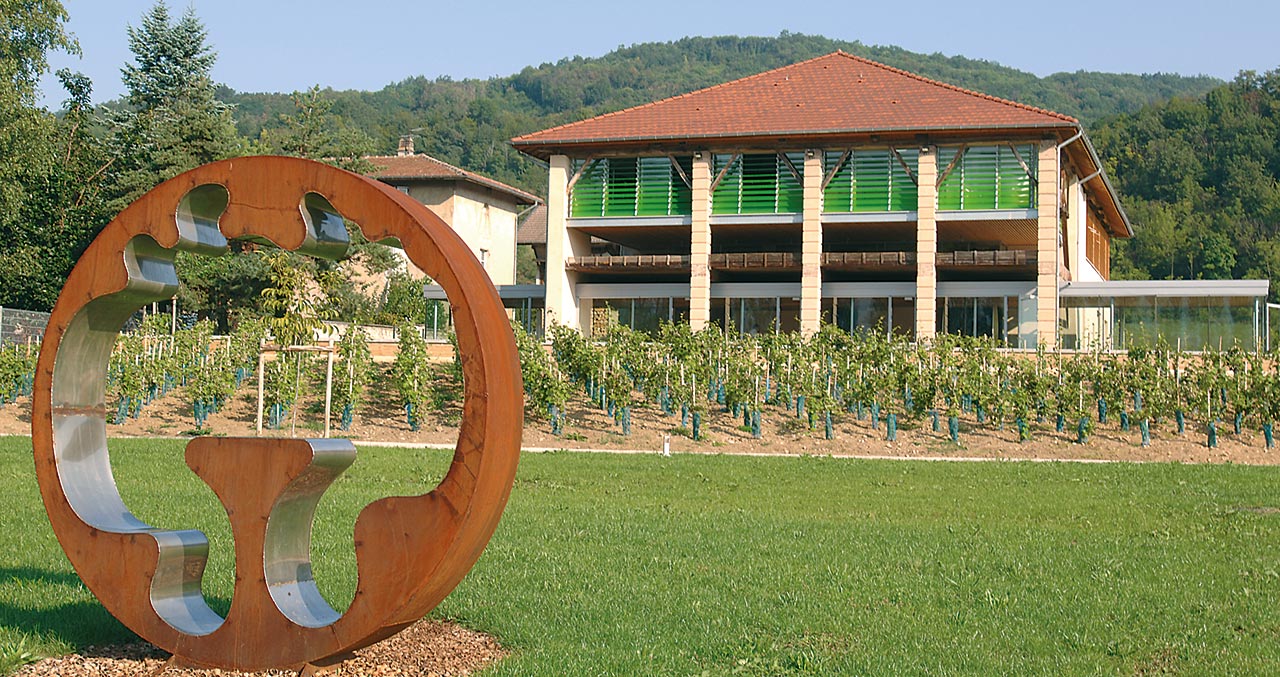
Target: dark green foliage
(170, 121)
(50, 168)
(468, 122)
(1199, 180)
(314, 131)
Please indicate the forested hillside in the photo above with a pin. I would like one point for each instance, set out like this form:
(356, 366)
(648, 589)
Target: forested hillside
(468, 122)
(1196, 159)
(1200, 178)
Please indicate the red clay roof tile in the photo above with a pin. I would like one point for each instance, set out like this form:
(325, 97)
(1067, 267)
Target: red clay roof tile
(390, 168)
(533, 228)
(829, 94)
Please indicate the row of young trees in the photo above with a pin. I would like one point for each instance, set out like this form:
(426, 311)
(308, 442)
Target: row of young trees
(17, 371)
(885, 380)
(951, 385)
(152, 362)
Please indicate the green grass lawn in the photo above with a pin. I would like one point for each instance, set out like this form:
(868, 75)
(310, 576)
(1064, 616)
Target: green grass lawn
(720, 565)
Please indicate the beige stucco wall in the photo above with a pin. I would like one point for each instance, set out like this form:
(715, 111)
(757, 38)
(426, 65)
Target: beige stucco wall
(562, 243)
(485, 220)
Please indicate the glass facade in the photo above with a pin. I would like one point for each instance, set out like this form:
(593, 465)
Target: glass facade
(644, 314)
(881, 313)
(995, 317)
(756, 315)
(1190, 322)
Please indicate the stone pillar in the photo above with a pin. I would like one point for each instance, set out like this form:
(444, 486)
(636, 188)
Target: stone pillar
(562, 243)
(927, 244)
(1047, 245)
(811, 246)
(700, 243)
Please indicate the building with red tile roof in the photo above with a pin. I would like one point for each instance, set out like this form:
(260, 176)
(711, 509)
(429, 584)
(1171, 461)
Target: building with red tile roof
(483, 211)
(835, 188)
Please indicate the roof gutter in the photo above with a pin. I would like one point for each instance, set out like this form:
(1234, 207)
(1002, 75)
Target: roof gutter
(1101, 173)
(1068, 142)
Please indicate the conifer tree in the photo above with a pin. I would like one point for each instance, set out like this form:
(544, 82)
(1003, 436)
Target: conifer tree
(173, 121)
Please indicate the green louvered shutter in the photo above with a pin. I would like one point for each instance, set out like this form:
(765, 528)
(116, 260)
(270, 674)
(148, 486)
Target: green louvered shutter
(870, 180)
(681, 192)
(949, 192)
(653, 187)
(1016, 188)
(790, 189)
(587, 198)
(727, 196)
(838, 196)
(759, 184)
(903, 195)
(620, 192)
(980, 167)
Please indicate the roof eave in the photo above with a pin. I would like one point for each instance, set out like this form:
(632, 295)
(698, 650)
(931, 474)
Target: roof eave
(1108, 189)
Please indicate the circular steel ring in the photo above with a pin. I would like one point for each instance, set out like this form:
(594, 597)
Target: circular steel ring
(410, 551)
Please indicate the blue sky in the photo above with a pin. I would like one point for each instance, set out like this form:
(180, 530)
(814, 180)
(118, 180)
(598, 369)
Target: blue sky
(286, 45)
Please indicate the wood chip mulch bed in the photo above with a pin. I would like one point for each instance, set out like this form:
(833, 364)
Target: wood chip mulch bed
(426, 649)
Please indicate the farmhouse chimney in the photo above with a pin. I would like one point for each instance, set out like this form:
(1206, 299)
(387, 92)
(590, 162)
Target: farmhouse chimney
(406, 146)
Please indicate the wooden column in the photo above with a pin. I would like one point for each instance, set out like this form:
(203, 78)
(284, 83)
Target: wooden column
(700, 243)
(811, 247)
(1047, 245)
(927, 244)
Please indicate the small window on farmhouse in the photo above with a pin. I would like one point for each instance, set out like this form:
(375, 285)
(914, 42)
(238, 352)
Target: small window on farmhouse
(987, 177)
(765, 183)
(620, 187)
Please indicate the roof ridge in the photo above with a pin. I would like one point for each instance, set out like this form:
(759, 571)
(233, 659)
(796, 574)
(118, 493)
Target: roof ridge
(947, 85)
(677, 97)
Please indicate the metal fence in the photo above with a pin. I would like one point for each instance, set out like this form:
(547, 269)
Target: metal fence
(21, 326)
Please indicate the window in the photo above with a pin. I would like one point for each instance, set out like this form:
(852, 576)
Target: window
(642, 314)
(884, 314)
(646, 186)
(992, 316)
(870, 180)
(484, 258)
(987, 177)
(768, 183)
(1097, 245)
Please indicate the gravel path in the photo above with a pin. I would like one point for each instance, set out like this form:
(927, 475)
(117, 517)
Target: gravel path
(427, 649)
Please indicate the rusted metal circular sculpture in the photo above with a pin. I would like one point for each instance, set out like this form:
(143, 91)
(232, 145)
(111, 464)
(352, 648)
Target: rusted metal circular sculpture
(410, 551)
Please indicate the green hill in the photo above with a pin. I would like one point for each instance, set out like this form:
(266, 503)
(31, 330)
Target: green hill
(468, 122)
